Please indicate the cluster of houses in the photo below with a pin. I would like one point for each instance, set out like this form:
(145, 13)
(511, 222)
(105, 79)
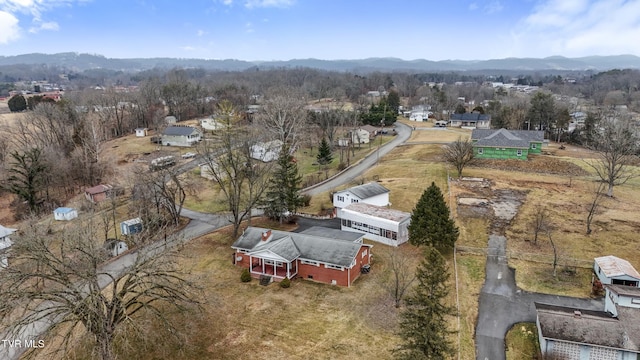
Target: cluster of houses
(610, 334)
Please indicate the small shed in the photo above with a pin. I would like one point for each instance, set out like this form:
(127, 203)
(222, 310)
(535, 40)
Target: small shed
(98, 193)
(115, 247)
(65, 213)
(612, 270)
(142, 132)
(5, 244)
(131, 226)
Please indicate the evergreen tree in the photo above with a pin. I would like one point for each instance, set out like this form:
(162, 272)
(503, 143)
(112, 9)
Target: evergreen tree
(423, 324)
(17, 103)
(430, 221)
(393, 100)
(283, 194)
(324, 153)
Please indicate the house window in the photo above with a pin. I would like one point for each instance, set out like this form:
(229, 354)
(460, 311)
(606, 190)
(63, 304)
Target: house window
(364, 253)
(335, 267)
(480, 151)
(354, 200)
(519, 153)
(309, 262)
(635, 301)
(340, 198)
(533, 146)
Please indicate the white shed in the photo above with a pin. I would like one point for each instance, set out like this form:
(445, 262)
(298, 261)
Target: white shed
(142, 132)
(65, 213)
(5, 243)
(131, 226)
(614, 270)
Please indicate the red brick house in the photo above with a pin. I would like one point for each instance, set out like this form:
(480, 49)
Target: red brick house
(98, 193)
(320, 254)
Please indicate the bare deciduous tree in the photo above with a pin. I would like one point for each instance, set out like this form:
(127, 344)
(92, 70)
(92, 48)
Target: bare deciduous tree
(241, 178)
(402, 275)
(615, 145)
(283, 115)
(459, 154)
(598, 193)
(56, 283)
(540, 222)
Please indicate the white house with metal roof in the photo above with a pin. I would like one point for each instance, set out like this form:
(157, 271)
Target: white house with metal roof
(320, 254)
(377, 223)
(371, 193)
(178, 135)
(616, 271)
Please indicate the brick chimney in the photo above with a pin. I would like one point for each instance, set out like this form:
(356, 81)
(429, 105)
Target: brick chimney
(266, 235)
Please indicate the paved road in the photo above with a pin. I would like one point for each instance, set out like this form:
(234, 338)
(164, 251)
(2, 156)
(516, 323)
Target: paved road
(403, 133)
(502, 304)
(199, 225)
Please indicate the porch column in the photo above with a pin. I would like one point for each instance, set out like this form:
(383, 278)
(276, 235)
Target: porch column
(288, 269)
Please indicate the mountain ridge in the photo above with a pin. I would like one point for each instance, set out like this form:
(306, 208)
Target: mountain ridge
(84, 61)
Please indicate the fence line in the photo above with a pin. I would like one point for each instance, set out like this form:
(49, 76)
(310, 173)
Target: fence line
(538, 258)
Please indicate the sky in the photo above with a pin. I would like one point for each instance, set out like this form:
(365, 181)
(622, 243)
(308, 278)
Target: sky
(266, 30)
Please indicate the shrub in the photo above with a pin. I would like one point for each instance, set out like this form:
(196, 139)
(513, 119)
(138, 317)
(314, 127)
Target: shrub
(245, 276)
(285, 283)
(305, 199)
(342, 166)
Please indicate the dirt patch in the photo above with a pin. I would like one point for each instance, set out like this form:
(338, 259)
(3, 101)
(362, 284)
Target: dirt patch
(535, 164)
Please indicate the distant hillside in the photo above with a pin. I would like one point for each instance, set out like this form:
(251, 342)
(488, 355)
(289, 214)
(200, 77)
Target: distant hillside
(80, 62)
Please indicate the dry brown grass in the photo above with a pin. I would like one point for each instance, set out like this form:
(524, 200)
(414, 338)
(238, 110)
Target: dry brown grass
(439, 135)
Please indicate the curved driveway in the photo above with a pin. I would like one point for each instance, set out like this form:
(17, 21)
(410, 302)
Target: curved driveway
(403, 133)
(502, 304)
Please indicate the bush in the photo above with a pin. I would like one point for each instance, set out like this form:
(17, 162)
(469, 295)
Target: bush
(245, 276)
(305, 200)
(342, 166)
(285, 283)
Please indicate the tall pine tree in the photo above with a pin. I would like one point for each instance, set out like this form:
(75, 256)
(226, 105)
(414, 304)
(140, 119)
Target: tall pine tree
(423, 323)
(324, 153)
(283, 195)
(431, 224)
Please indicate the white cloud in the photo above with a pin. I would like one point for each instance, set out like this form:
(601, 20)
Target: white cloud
(227, 2)
(51, 26)
(9, 28)
(579, 28)
(187, 48)
(250, 4)
(14, 11)
(473, 6)
(201, 32)
(249, 27)
(493, 7)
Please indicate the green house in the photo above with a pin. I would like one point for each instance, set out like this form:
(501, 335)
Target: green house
(506, 144)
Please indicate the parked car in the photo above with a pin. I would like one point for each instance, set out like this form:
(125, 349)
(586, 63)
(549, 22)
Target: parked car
(188, 155)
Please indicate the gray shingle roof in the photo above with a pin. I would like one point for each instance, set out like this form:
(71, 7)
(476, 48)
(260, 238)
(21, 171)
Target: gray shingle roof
(470, 117)
(179, 131)
(597, 328)
(506, 138)
(298, 245)
(333, 234)
(366, 190)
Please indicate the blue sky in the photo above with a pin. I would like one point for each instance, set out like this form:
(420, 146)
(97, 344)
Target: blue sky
(322, 29)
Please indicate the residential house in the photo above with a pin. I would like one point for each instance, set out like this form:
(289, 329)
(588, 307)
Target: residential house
(506, 144)
(614, 270)
(320, 254)
(131, 226)
(372, 130)
(5, 244)
(576, 334)
(266, 151)
(170, 120)
(370, 193)
(98, 193)
(211, 124)
(471, 120)
(420, 113)
(65, 214)
(359, 136)
(377, 223)
(181, 136)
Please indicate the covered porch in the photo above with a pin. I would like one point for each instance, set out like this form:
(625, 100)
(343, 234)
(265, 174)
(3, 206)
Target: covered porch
(276, 267)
